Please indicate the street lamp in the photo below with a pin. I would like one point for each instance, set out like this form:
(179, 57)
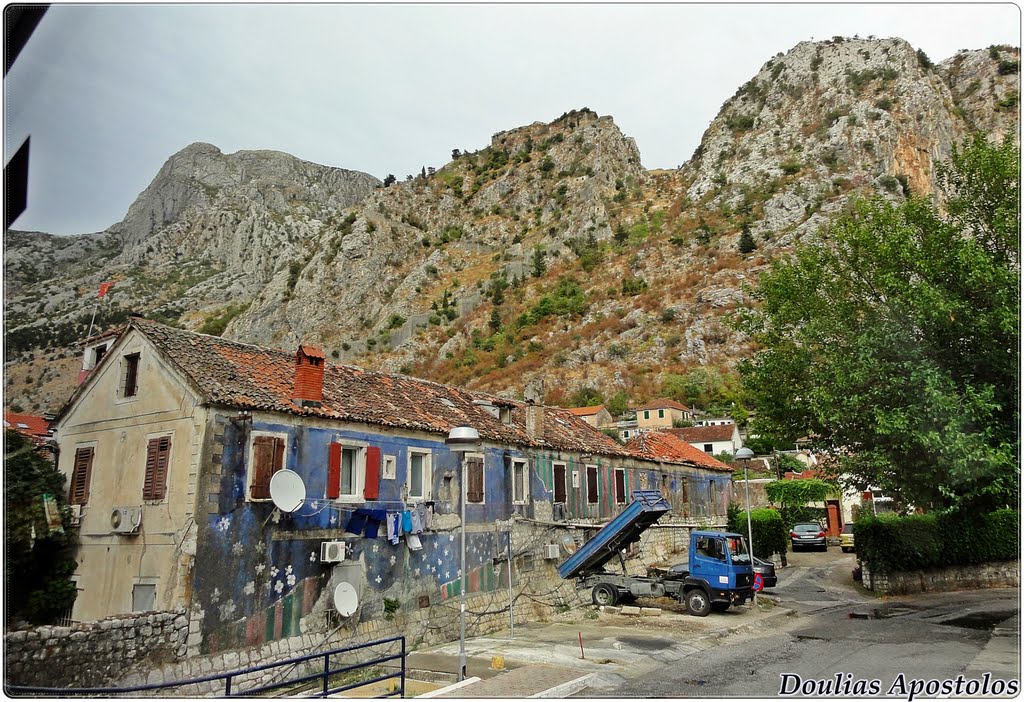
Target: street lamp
(461, 440)
(745, 454)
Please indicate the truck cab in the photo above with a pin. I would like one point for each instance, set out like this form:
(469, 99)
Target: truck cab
(720, 573)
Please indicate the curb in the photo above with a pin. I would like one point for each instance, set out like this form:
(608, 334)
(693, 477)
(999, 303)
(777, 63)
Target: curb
(565, 689)
(449, 688)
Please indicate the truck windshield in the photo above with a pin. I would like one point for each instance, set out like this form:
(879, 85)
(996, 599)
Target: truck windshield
(738, 550)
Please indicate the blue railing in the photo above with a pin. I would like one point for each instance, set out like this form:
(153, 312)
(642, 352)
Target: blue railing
(232, 688)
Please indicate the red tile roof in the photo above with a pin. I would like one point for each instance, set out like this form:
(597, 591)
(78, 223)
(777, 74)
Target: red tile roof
(696, 435)
(664, 403)
(247, 377)
(666, 447)
(586, 411)
(27, 424)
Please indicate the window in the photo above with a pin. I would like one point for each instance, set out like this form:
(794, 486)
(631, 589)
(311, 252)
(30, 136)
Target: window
(98, 354)
(647, 414)
(351, 470)
(158, 456)
(708, 448)
(620, 486)
(81, 475)
(625, 434)
(661, 414)
(559, 476)
(419, 475)
(266, 458)
(474, 478)
(519, 482)
(131, 375)
(592, 484)
(143, 597)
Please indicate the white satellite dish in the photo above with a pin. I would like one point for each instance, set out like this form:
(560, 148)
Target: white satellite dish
(345, 599)
(287, 490)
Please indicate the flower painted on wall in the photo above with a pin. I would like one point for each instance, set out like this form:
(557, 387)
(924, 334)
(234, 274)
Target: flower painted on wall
(215, 596)
(237, 548)
(226, 610)
(278, 587)
(250, 588)
(223, 524)
(291, 579)
(273, 572)
(312, 557)
(260, 567)
(287, 570)
(392, 560)
(333, 520)
(276, 516)
(314, 504)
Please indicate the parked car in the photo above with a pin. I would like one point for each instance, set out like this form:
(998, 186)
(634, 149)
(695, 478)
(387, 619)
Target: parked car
(846, 539)
(767, 571)
(808, 535)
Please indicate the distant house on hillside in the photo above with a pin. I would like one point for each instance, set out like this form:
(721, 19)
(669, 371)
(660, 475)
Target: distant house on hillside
(34, 427)
(597, 416)
(662, 413)
(711, 439)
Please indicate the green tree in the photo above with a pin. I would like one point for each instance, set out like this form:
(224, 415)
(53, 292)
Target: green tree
(537, 264)
(495, 321)
(896, 338)
(618, 403)
(37, 564)
(746, 243)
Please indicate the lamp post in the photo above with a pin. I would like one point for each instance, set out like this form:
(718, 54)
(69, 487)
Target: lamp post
(461, 440)
(745, 454)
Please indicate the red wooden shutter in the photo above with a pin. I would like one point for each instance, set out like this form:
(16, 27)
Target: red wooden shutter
(79, 493)
(333, 470)
(278, 457)
(263, 453)
(158, 454)
(371, 487)
(475, 480)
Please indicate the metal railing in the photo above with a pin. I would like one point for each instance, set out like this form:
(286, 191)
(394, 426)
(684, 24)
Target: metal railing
(234, 680)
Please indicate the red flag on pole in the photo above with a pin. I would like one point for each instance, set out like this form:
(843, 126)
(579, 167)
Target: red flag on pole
(105, 287)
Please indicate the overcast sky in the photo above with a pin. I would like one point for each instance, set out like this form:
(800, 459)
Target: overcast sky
(109, 92)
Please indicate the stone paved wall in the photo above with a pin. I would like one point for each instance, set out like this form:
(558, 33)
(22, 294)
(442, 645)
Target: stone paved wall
(985, 575)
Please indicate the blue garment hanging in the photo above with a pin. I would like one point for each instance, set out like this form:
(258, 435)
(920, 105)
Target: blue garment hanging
(406, 522)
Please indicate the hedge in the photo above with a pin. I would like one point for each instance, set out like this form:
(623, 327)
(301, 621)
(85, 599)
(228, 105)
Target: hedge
(770, 535)
(890, 543)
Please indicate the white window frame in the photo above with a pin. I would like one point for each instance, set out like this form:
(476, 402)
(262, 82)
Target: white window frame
(359, 467)
(427, 468)
(520, 464)
(389, 467)
(250, 467)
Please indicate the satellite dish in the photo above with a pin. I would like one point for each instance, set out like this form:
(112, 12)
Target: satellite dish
(287, 490)
(345, 599)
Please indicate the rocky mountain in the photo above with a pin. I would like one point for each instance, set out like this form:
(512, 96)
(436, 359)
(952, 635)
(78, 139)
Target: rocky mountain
(550, 251)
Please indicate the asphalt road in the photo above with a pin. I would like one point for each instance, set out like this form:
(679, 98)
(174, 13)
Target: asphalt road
(848, 639)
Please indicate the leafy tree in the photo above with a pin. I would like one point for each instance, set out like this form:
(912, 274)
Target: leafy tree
(586, 396)
(495, 321)
(618, 403)
(389, 180)
(37, 564)
(896, 338)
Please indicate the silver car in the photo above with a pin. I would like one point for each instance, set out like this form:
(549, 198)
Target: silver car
(808, 535)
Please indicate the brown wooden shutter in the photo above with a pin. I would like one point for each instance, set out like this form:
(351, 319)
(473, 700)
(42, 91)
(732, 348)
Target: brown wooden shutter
(560, 484)
(158, 455)
(80, 476)
(592, 484)
(131, 377)
(264, 453)
(474, 479)
(371, 486)
(620, 487)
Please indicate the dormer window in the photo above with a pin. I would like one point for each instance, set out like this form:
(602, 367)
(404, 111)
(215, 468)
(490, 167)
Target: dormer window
(97, 354)
(130, 379)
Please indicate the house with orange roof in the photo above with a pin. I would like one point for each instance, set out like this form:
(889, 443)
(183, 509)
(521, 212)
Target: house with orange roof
(713, 439)
(174, 443)
(662, 413)
(597, 416)
(34, 427)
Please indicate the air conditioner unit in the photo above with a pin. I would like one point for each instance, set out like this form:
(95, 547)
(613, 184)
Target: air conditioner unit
(332, 551)
(552, 552)
(76, 514)
(126, 520)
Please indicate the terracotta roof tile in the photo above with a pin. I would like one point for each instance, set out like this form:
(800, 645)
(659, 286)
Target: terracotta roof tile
(718, 432)
(663, 446)
(27, 424)
(664, 403)
(244, 376)
(586, 411)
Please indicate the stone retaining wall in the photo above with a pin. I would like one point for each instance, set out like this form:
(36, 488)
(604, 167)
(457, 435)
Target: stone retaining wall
(93, 653)
(983, 575)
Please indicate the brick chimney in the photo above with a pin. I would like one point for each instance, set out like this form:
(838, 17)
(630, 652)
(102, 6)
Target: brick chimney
(309, 377)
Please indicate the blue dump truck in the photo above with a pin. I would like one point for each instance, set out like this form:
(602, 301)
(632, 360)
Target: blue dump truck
(719, 575)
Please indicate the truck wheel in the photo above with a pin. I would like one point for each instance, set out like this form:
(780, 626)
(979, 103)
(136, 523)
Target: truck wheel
(719, 606)
(697, 603)
(605, 594)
